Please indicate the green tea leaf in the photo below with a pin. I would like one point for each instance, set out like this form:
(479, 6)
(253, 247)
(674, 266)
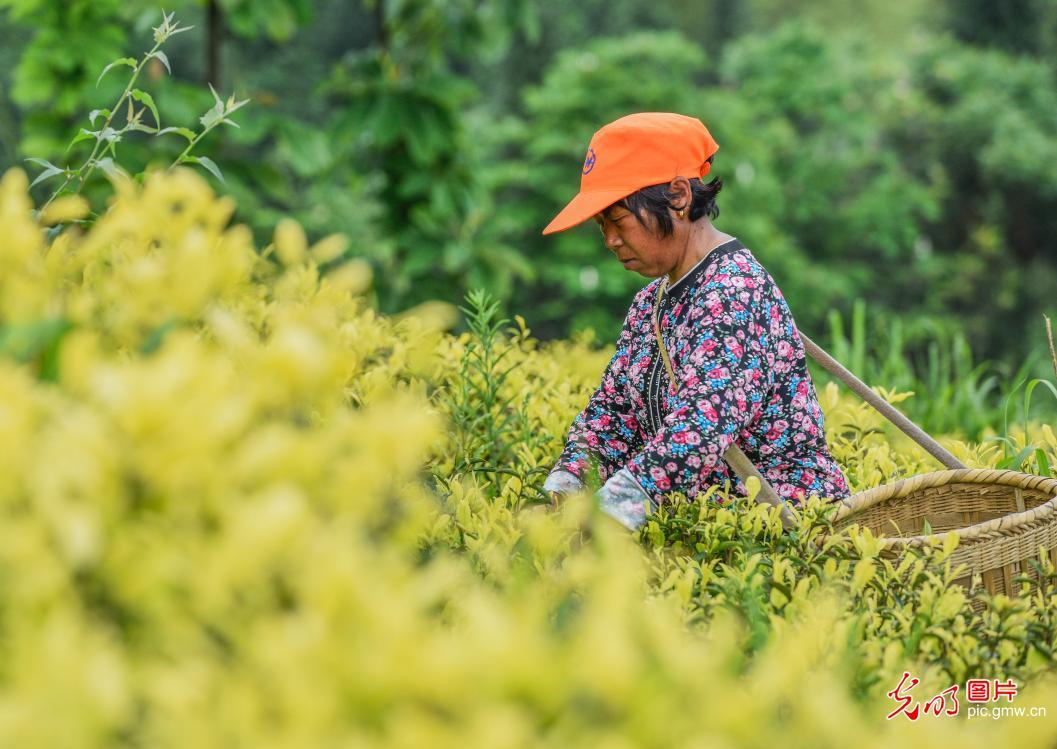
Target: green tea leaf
(50, 170)
(24, 341)
(208, 164)
(216, 97)
(1015, 462)
(129, 61)
(148, 101)
(41, 162)
(1042, 462)
(83, 135)
(213, 116)
(164, 60)
(185, 132)
(108, 167)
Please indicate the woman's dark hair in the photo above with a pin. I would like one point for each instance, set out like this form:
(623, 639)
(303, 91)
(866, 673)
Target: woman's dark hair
(656, 200)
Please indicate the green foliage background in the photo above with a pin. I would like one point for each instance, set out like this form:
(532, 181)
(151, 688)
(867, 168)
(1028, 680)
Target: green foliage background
(895, 158)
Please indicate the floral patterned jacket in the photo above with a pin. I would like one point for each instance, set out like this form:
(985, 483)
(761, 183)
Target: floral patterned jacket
(743, 377)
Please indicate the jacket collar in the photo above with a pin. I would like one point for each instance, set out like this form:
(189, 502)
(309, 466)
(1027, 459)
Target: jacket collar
(679, 287)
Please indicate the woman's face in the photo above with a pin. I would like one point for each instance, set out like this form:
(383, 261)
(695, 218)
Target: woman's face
(637, 248)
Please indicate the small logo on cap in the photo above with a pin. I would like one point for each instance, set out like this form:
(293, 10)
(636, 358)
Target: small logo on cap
(589, 162)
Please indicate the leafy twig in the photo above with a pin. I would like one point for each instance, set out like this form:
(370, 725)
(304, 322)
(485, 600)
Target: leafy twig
(218, 115)
(107, 134)
(104, 150)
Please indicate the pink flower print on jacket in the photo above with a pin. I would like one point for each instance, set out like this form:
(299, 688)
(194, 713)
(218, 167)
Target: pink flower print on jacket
(741, 373)
(660, 478)
(734, 346)
(709, 412)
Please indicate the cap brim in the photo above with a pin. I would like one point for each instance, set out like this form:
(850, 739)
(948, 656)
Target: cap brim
(582, 207)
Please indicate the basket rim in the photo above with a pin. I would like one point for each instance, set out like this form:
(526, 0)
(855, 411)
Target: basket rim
(1002, 526)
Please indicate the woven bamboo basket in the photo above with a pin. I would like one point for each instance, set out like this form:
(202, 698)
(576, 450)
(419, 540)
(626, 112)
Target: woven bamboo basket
(1001, 519)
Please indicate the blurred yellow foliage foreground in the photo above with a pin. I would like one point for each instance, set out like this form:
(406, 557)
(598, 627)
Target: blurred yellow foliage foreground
(242, 509)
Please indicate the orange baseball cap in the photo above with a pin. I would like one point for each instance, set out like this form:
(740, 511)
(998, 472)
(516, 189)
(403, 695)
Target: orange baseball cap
(641, 149)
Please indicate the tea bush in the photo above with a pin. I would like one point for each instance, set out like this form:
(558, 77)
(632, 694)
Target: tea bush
(241, 508)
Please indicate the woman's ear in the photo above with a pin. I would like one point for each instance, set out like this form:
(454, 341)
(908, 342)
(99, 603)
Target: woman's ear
(681, 194)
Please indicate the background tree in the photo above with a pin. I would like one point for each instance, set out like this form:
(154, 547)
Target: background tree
(881, 155)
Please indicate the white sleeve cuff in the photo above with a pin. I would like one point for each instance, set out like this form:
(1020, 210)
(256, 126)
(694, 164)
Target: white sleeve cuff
(624, 499)
(562, 481)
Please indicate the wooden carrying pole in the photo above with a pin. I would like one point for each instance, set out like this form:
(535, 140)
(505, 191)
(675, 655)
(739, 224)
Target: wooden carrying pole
(908, 427)
(744, 468)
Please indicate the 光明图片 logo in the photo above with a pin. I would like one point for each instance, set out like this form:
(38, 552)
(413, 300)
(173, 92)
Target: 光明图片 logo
(979, 694)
